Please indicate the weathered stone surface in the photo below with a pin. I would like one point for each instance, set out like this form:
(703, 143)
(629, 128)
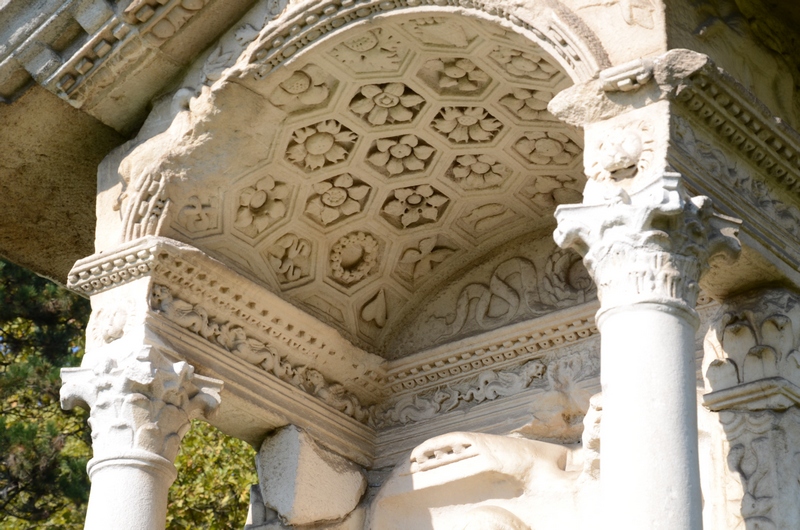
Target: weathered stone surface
(48, 182)
(304, 482)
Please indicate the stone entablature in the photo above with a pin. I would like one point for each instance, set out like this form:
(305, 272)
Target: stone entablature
(344, 214)
(237, 323)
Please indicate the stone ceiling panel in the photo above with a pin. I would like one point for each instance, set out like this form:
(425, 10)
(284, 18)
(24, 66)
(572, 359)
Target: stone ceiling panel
(397, 151)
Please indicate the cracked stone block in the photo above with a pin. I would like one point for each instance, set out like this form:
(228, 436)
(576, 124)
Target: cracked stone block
(304, 482)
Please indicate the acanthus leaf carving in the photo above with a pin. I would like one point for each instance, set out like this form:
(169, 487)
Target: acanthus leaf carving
(753, 352)
(139, 399)
(651, 245)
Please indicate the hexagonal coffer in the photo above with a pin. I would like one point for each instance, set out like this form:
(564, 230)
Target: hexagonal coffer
(414, 206)
(336, 199)
(320, 145)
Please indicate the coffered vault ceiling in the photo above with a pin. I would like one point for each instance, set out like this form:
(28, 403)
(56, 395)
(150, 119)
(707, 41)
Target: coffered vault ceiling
(413, 150)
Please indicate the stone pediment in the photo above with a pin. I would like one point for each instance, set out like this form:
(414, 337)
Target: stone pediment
(383, 178)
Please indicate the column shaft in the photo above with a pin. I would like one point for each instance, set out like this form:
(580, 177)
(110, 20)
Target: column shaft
(129, 490)
(649, 464)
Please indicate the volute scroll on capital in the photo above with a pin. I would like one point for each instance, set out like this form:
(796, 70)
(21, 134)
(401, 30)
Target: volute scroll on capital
(141, 403)
(651, 245)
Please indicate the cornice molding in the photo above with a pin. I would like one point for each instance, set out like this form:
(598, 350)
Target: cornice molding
(223, 295)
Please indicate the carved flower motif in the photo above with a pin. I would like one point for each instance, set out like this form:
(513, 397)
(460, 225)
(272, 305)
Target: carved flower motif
(465, 124)
(319, 145)
(461, 75)
(523, 64)
(548, 192)
(261, 205)
(415, 206)
(353, 257)
(550, 147)
(402, 153)
(305, 86)
(290, 257)
(528, 104)
(477, 172)
(425, 257)
(336, 198)
(392, 102)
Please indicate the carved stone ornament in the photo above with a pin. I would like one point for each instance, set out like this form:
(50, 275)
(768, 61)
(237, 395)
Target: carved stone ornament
(650, 246)
(234, 339)
(139, 400)
(752, 358)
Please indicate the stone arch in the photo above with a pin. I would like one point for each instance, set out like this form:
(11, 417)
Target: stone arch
(289, 169)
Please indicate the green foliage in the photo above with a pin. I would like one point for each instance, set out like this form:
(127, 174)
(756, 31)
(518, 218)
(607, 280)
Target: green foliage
(214, 476)
(44, 450)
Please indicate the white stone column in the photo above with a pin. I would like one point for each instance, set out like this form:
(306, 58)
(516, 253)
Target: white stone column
(141, 406)
(646, 249)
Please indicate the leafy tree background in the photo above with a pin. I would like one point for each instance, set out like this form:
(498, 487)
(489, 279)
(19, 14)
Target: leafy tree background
(44, 450)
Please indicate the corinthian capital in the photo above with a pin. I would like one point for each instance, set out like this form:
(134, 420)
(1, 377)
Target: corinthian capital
(139, 399)
(649, 245)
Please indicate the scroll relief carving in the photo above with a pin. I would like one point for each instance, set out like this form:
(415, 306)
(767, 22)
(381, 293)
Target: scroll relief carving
(757, 472)
(139, 400)
(556, 414)
(487, 386)
(235, 340)
(513, 291)
(715, 163)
